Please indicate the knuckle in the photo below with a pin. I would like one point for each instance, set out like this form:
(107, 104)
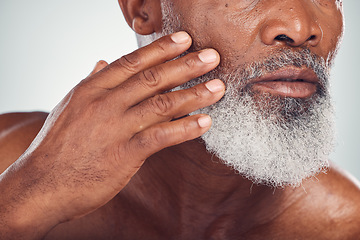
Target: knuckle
(197, 93)
(190, 63)
(130, 62)
(152, 140)
(159, 136)
(162, 137)
(152, 77)
(186, 127)
(161, 104)
(162, 47)
(186, 130)
(142, 142)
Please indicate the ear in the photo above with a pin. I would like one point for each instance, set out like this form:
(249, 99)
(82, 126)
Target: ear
(143, 16)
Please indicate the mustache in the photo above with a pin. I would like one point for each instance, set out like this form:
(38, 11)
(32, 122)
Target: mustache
(241, 75)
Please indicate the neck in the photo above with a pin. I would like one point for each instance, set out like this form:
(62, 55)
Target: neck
(195, 175)
(203, 172)
(188, 181)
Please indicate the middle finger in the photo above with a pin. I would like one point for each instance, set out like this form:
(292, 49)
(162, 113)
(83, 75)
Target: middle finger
(166, 76)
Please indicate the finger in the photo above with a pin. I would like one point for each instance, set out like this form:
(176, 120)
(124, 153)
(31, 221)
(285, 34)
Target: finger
(161, 50)
(167, 134)
(99, 66)
(165, 107)
(166, 76)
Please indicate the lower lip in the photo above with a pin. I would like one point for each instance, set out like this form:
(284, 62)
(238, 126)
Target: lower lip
(287, 89)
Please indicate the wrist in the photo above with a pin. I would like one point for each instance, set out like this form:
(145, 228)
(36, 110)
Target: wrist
(24, 214)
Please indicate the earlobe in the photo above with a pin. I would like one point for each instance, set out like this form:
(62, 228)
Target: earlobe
(140, 25)
(143, 16)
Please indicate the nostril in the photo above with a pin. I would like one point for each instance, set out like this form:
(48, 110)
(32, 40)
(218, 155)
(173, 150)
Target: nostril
(283, 37)
(312, 37)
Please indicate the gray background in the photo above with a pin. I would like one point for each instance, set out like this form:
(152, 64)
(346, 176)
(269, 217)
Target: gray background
(47, 47)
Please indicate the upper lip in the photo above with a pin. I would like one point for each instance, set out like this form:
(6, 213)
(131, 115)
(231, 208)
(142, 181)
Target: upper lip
(289, 74)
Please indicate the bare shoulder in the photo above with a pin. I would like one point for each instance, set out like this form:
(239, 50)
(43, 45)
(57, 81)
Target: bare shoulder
(329, 207)
(340, 191)
(341, 202)
(17, 131)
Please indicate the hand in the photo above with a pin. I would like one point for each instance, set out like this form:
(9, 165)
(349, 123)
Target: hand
(101, 133)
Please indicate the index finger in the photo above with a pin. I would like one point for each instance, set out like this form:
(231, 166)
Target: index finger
(160, 51)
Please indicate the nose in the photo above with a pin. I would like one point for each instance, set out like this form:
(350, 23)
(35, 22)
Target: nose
(294, 26)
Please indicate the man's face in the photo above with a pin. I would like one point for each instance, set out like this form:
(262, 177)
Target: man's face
(274, 124)
(244, 31)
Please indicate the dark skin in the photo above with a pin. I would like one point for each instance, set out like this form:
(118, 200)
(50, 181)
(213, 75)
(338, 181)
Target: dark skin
(110, 164)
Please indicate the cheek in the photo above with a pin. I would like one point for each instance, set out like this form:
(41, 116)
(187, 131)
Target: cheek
(232, 33)
(333, 32)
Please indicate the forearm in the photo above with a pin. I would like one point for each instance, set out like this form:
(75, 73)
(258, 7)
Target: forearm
(24, 208)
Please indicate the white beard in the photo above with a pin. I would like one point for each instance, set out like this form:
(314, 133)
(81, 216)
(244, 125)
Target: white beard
(270, 140)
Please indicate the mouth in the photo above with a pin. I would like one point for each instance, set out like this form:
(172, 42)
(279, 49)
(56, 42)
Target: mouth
(287, 82)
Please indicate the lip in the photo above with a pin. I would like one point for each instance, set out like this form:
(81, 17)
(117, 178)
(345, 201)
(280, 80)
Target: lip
(288, 82)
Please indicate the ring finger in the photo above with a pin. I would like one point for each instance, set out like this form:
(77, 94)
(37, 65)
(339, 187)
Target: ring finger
(168, 106)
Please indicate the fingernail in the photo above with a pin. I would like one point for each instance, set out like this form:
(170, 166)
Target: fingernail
(208, 56)
(215, 85)
(180, 37)
(204, 121)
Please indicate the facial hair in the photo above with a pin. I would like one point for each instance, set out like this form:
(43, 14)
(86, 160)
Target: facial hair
(271, 140)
